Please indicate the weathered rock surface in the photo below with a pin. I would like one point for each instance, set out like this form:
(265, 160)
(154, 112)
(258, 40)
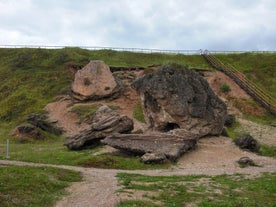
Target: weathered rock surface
(248, 142)
(153, 147)
(41, 122)
(26, 132)
(33, 127)
(104, 123)
(95, 81)
(174, 97)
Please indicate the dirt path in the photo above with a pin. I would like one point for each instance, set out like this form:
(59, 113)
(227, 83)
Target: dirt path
(213, 156)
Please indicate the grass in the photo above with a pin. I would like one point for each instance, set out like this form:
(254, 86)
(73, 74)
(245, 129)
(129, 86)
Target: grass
(85, 112)
(53, 152)
(22, 186)
(138, 113)
(199, 190)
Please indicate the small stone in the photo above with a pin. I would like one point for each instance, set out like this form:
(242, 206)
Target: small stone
(246, 161)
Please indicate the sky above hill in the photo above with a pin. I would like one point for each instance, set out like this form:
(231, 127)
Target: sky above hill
(162, 24)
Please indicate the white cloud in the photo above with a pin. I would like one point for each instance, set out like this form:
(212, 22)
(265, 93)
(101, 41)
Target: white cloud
(170, 24)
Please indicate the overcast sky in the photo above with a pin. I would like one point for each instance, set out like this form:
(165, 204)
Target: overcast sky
(161, 24)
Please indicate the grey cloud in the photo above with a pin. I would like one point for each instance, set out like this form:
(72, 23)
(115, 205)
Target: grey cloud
(170, 24)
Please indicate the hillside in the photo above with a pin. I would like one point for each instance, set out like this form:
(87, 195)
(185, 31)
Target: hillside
(38, 81)
(32, 77)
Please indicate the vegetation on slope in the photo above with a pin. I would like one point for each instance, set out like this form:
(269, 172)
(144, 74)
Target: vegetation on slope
(34, 186)
(258, 67)
(32, 77)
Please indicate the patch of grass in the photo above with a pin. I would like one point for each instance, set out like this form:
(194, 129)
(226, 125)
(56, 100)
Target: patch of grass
(201, 190)
(49, 152)
(267, 151)
(85, 112)
(225, 88)
(53, 152)
(138, 113)
(34, 186)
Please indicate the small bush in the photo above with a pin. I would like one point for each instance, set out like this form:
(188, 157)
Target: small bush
(225, 88)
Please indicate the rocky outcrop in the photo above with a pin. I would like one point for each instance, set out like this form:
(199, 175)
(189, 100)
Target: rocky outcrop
(95, 81)
(104, 123)
(152, 147)
(177, 98)
(248, 142)
(35, 127)
(40, 121)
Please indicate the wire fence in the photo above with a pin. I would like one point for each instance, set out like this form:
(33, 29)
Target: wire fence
(139, 50)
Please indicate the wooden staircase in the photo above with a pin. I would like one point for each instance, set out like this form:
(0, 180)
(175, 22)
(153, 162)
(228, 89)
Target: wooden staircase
(251, 88)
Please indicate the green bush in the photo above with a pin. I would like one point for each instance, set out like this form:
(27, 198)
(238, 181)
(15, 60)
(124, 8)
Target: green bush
(225, 88)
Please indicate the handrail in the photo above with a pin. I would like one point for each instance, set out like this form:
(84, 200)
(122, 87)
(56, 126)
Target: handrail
(251, 88)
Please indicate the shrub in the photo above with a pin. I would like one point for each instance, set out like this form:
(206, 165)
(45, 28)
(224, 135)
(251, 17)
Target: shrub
(225, 88)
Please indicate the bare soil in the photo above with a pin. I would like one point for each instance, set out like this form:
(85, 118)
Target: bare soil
(213, 155)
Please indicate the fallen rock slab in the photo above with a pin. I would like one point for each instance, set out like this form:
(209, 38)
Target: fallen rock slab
(153, 147)
(104, 123)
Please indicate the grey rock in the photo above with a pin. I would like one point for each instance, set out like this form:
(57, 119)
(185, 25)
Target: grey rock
(248, 142)
(246, 161)
(153, 147)
(26, 132)
(229, 120)
(175, 97)
(104, 123)
(40, 121)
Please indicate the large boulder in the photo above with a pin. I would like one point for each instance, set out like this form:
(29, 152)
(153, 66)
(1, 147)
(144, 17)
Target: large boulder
(152, 147)
(177, 98)
(104, 123)
(95, 81)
